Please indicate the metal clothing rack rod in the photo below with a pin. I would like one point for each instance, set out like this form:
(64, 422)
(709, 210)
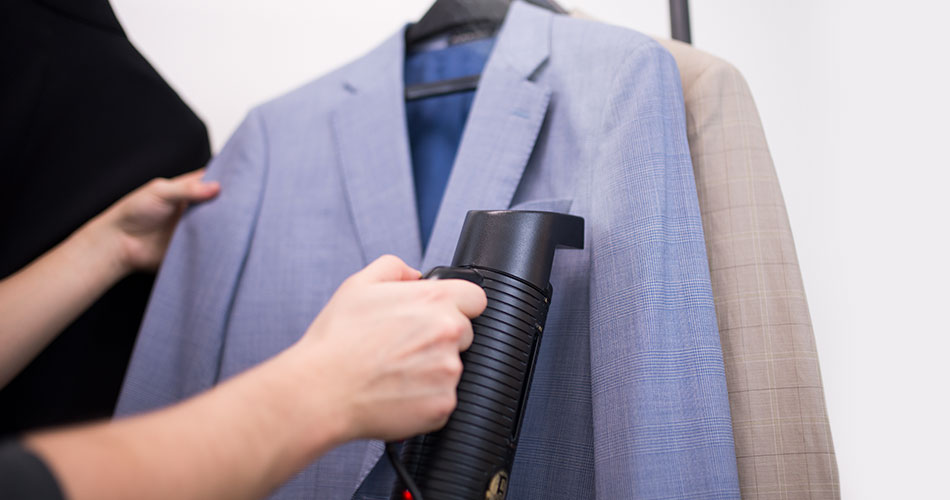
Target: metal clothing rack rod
(679, 20)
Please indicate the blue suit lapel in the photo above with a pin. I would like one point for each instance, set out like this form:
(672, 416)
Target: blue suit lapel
(501, 130)
(373, 150)
(504, 123)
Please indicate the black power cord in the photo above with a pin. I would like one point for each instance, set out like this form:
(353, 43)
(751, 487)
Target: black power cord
(401, 471)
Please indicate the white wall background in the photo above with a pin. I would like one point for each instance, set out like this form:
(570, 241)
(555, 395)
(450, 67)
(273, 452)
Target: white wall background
(854, 98)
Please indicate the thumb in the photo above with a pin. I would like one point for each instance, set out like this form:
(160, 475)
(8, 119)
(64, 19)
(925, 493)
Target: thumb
(386, 268)
(186, 188)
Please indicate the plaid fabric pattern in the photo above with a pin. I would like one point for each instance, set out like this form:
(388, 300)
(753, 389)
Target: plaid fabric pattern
(782, 436)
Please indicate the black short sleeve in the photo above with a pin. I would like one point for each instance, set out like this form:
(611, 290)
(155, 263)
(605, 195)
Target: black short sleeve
(23, 476)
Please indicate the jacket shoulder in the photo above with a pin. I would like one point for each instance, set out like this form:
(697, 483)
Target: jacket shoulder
(314, 97)
(702, 68)
(602, 41)
(323, 93)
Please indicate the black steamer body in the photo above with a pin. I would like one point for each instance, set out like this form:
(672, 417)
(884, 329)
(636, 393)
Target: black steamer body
(510, 254)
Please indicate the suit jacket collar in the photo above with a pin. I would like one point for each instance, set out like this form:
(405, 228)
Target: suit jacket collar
(373, 148)
(499, 136)
(502, 127)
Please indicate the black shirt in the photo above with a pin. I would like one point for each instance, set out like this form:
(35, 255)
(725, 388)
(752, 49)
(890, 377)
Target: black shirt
(84, 119)
(23, 476)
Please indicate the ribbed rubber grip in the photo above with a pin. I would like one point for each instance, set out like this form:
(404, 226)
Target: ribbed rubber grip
(471, 457)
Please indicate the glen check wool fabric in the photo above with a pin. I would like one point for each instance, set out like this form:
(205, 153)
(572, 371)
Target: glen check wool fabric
(629, 395)
(782, 435)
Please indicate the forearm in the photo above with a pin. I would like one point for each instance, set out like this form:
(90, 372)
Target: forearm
(240, 440)
(39, 301)
(379, 362)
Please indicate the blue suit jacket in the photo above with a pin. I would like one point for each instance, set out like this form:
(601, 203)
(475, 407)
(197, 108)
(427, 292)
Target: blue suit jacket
(629, 396)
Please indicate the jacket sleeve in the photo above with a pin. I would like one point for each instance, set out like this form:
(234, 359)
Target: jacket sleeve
(177, 351)
(661, 411)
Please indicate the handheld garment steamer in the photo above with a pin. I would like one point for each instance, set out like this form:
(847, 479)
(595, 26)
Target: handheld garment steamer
(509, 254)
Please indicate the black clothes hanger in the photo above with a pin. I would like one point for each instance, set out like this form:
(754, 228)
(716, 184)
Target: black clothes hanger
(679, 20)
(466, 16)
(463, 20)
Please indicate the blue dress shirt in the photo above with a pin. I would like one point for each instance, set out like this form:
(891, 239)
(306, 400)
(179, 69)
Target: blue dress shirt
(436, 123)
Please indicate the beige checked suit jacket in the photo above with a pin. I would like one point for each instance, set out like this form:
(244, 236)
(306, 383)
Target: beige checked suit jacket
(782, 435)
